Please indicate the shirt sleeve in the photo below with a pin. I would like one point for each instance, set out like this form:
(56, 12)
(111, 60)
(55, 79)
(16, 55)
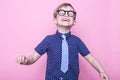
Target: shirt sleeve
(42, 47)
(83, 50)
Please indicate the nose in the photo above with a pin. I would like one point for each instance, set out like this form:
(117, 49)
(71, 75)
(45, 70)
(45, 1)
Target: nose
(66, 14)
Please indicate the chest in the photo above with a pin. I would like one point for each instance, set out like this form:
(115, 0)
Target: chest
(56, 45)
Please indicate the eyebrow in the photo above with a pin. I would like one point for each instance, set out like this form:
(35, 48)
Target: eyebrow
(67, 10)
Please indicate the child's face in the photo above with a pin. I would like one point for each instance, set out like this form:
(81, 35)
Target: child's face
(65, 17)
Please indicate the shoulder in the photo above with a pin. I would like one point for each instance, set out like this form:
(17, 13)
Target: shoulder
(48, 37)
(75, 37)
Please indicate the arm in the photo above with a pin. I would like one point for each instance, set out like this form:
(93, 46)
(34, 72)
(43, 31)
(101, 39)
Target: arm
(28, 60)
(96, 64)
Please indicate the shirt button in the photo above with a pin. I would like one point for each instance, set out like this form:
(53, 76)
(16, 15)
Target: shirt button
(61, 78)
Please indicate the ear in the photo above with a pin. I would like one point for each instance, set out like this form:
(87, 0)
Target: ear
(55, 21)
(74, 22)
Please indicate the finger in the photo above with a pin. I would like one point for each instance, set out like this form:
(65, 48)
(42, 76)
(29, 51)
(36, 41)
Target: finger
(101, 75)
(106, 78)
(23, 59)
(18, 60)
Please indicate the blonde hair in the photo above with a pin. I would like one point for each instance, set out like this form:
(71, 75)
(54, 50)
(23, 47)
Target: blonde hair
(60, 6)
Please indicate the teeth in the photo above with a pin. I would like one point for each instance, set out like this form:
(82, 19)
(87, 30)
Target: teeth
(66, 20)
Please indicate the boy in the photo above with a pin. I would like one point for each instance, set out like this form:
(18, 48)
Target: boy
(62, 49)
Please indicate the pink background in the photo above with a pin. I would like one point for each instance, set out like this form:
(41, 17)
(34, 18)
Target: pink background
(24, 23)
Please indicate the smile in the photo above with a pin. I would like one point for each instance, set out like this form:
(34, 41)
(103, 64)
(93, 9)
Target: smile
(65, 20)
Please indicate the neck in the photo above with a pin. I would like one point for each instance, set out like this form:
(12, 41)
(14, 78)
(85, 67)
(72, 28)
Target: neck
(63, 30)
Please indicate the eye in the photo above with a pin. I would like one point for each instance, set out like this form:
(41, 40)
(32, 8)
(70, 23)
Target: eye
(71, 13)
(61, 12)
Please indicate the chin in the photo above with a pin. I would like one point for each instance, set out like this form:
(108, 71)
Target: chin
(66, 25)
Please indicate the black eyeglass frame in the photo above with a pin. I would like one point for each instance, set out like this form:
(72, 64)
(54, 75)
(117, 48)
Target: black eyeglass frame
(65, 11)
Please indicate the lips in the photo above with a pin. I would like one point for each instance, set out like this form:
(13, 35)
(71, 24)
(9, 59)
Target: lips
(65, 20)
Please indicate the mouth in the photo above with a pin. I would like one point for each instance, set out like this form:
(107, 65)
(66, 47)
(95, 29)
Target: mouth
(65, 20)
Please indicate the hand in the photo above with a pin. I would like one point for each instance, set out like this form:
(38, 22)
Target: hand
(22, 60)
(104, 76)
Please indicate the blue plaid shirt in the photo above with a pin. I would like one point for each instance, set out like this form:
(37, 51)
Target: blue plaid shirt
(52, 44)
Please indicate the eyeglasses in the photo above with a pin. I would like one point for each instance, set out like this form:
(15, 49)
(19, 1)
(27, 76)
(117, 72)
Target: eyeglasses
(69, 13)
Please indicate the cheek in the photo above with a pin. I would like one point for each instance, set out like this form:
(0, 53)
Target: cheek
(72, 21)
(58, 18)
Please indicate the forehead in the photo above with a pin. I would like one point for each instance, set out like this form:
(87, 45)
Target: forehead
(66, 8)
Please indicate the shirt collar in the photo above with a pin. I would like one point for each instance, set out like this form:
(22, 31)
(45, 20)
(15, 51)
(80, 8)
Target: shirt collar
(60, 34)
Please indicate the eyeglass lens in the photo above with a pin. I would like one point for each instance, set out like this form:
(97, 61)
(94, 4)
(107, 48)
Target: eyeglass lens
(63, 12)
